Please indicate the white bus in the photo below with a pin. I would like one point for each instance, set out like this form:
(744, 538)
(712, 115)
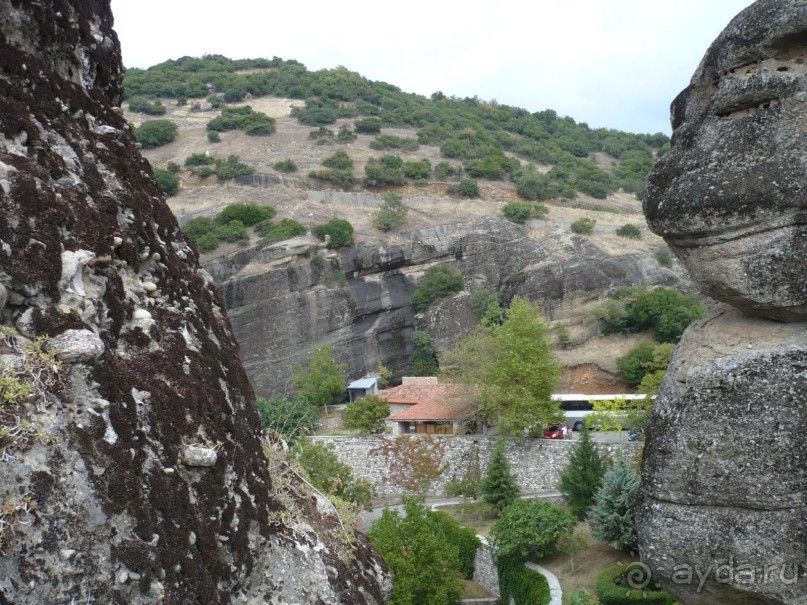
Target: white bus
(577, 406)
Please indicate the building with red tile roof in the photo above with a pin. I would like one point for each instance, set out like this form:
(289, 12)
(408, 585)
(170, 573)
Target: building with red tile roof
(423, 405)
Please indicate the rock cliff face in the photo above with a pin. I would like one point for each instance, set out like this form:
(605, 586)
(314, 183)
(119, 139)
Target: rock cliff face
(131, 467)
(723, 509)
(281, 304)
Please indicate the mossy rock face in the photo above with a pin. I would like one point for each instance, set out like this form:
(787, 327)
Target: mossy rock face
(116, 358)
(731, 194)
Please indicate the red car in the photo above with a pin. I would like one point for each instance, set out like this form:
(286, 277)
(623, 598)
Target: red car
(558, 431)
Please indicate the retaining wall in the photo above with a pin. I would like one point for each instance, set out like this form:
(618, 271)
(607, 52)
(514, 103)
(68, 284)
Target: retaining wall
(537, 463)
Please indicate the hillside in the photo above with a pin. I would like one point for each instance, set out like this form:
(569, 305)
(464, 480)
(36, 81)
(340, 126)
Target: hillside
(578, 172)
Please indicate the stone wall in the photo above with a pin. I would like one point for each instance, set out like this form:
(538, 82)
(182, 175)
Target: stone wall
(537, 463)
(485, 572)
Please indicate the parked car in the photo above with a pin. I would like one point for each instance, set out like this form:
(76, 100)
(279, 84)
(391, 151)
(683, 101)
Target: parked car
(558, 430)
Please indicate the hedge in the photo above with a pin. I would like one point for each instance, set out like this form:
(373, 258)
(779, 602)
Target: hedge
(613, 588)
(524, 585)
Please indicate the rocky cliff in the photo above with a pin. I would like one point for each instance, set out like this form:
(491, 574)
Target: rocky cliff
(131, 466)
(282, 304)
(723, 509)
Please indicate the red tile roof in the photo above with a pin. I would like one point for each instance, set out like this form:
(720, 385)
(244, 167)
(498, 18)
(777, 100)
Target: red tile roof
(431, 401)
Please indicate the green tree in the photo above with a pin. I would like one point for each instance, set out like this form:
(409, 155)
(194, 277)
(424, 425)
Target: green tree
(331, 476)
(438, 281)
(292, 418)
(514, 369)
(386, 170)
(468, 188)
(529, 528)
(582, 476)
(424, 566)
(499, 486)
(424, 362)
(322, 380)
(339, 231)
(250, 214)
(532, 185)
(168, 182)
(338, 161)
(231, 168)
(367, 414)
(611, 518)
(584, 226)
(391, 214)
(155, 133)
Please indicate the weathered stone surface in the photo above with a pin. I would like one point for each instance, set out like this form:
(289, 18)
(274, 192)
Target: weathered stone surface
(730, 196)
(95, 503)
(280, 311)
(724, 475)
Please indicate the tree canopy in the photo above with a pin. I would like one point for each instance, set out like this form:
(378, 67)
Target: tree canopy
(322, 380)
(514, 369)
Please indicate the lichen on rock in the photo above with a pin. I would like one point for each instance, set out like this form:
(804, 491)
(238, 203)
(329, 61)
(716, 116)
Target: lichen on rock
(124, 357)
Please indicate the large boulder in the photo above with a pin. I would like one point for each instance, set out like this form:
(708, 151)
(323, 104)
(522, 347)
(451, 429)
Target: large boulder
(131, 463)
(723, 515)
(730, 197)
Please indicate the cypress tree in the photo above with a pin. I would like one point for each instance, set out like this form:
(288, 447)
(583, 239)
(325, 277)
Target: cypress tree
(611, 518)
(500, 487)
(582, 477)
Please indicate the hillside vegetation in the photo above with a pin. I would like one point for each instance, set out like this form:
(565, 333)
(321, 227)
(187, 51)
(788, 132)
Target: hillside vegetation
(492, 141)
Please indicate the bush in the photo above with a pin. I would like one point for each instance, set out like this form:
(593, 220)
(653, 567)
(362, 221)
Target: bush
(342, 178)
(533, 185)
(529, 528)
(391, 213)
(663, 257)
(234, 231)
(386, 170)
(253, 123)
(173, 167)
(213, 136)
(340, 231)
(331, 476)
(199, 159)
(368, 126)
(540, 211)
(438, 281)
(367, 414)
(345, 135)
(468, 188)
(139, 105)
(629, 231)
(204, 171)
(322, 135)
(207, 242)
(483, 301)
(443, 170)
(518, 212)
(338, 161)
(155, 133)
(388, 141)
(286, 166)
(419, 170)
(276, 232)
(584, 226)
(248, 214)
(632, 365)
(231, 168)
(615, 587)
(168, 181)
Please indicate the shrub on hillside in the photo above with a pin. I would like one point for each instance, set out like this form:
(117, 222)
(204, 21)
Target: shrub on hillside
(663, 257)
(339, 230)
(388, 141)
(213, 136)
(338, 161)
(386, 170)
(249, 214)
(443, 170)
(231, 168)
(253, 123)
(155, 133)
(632, 365)
(140, 105)
(629, 231)
(540, 211)
(518, 212)
(286, 166)
(418, 170)
(276, 232)
(438, 281)
(341, 178)
(345, 134)
(168, 182)
(391, 213)
(199, 159)
(584, 226)
(368, 126)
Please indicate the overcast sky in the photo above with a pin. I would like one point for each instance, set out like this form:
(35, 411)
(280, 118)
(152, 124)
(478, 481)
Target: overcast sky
(610, 63)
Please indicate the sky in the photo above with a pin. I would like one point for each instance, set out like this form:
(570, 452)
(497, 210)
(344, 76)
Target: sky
(609, 63)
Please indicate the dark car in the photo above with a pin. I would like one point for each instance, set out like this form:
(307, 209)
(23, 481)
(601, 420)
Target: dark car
(558, 430)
